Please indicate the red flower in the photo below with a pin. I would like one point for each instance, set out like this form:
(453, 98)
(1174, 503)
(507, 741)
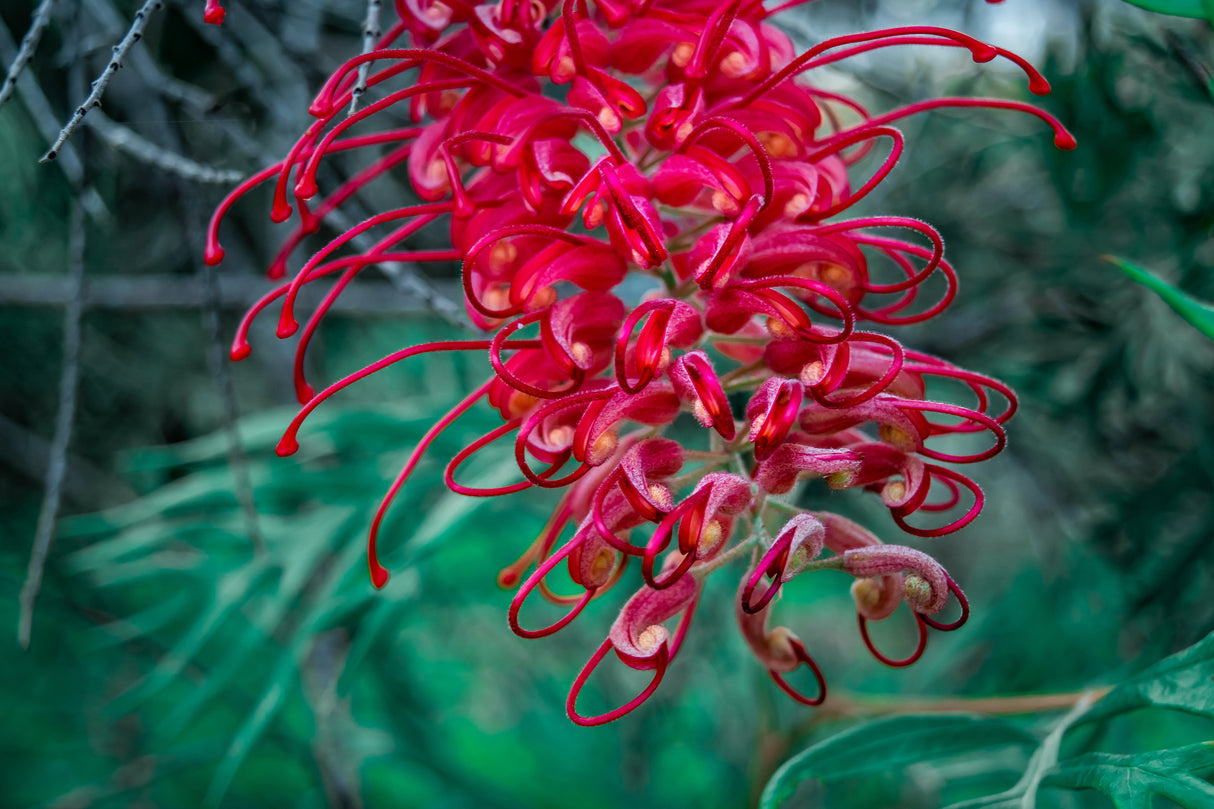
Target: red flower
(685, 148)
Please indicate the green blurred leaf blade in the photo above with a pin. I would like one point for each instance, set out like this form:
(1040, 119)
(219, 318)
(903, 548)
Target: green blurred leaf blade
(889, 744)
(1199, 315)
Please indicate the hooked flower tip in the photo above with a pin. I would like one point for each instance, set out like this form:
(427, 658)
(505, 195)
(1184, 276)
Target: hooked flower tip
(213, 13)
(1065, 141)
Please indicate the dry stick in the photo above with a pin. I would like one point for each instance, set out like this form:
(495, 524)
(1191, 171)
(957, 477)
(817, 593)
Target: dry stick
(195, 99)
(855, 706)
(371, 34)
(29, 43)
(94, 100)
(144, 292)
(47, 123)
(238, 459)
(131, 143)
(84, 485)
(57, 466)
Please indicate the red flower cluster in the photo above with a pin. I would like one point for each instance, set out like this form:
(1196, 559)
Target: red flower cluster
(645, 201)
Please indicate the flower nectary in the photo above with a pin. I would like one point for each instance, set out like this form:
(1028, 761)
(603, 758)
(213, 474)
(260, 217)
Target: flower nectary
(568, 147)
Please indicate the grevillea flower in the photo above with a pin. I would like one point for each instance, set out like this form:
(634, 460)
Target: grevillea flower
(566, 147)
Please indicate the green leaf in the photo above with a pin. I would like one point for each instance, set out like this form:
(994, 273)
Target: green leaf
(891, 744)
(1184, 682)
(1201, 9)
(1200, 315)
(1132, 781)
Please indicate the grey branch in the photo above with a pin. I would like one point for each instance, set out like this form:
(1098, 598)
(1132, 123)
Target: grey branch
(195, 99)
(133, 35)
(29, 43)
(371, 35)
(131, 143)
(84, 484)
(57, 465)
(236, 292)
(44, 119)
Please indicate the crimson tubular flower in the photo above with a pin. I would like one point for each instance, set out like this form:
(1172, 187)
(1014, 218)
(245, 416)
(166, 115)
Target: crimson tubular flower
(566, 147)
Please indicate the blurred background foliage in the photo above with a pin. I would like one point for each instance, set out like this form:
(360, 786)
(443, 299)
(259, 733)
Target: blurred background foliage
(187, 649)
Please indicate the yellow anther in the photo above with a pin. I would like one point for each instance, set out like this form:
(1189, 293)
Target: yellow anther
(735, 65)
(561, 436)
(682, 54)
(812, 373)
(894, 491)
(867, 593)
(779, 329)
(651, 638)
(797, 204)
(660, 496)
(602, 448)
(502, 255)
(579, 352)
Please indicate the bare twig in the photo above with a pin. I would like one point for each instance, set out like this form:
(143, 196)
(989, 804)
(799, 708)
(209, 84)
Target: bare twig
(238, 460)
(371, 34)
(94, 99)
(150, 292)
(47, 124)
(131, 143)
(57, 466)
(84, 484)
(29, 43)
(839, 706)
(195, 99)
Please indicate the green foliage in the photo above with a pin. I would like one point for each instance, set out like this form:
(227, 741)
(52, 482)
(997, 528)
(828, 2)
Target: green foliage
(1181, 682)
(1200, 315)
(1201, 9)
(889, 744)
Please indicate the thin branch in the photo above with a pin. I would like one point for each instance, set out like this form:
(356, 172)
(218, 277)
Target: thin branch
(239, 292)
(131, 143)
(57, 466)
(198, 101)
(29, 43)
(839, 706)
(85, 485)
(371, 35)
(47, 124)
(133, 35)
(238, 459)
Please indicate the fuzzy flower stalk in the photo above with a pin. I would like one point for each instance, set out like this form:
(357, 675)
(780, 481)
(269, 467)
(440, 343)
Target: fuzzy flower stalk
(651, 202)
